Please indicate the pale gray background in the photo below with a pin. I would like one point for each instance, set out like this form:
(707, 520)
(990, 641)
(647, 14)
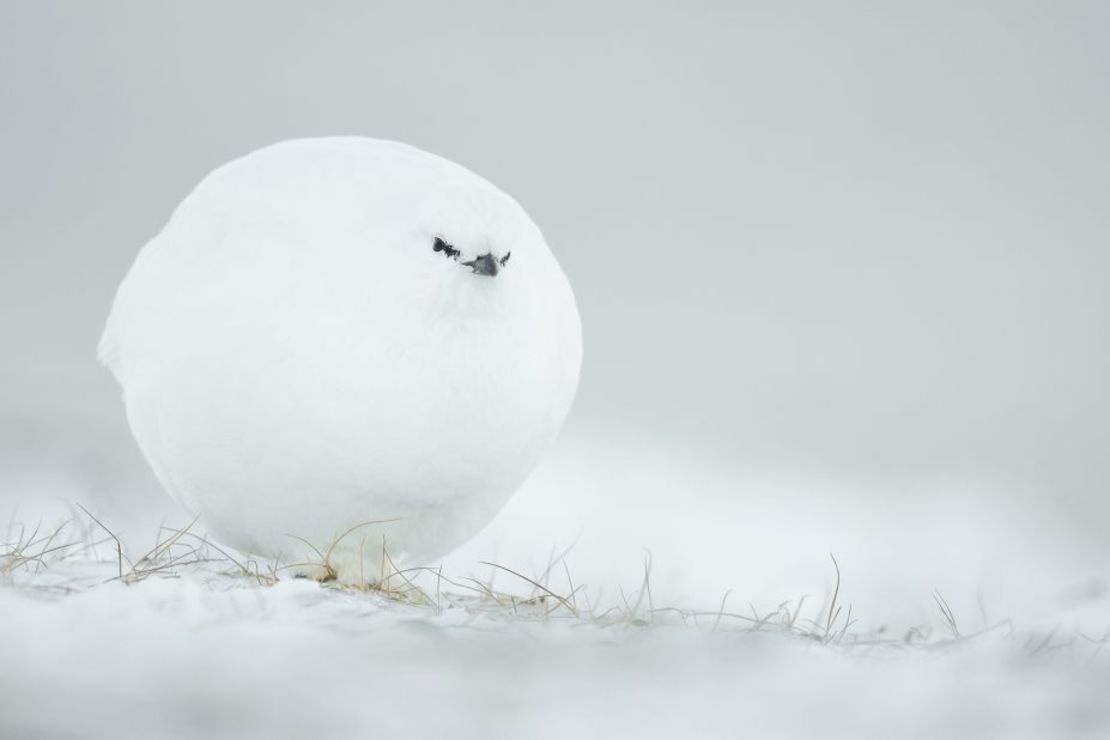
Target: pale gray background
(854, 237)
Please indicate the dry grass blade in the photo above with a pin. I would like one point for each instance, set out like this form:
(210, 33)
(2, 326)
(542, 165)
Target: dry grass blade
(120, 557)
(482, 589)
(645, 590)
(946, 612)
(20, 553)
(265, 580)
(721, 610)
(538, 585)
(164, 546)
(834, 610)
(405, 594)
(340, 538)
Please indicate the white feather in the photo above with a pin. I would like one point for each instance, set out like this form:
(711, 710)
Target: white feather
(297, 360)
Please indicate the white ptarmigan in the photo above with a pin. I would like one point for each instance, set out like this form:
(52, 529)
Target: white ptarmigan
(337, 331)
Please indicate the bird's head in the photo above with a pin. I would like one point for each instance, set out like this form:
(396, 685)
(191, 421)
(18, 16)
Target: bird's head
(473, 231)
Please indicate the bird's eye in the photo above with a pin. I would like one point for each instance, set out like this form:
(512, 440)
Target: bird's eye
(506, 258)
(441, 246)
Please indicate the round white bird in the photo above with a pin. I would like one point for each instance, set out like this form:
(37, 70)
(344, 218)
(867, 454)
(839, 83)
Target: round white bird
(345, 350)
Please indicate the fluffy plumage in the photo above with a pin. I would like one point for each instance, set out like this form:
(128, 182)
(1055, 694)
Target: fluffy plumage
(298, 358)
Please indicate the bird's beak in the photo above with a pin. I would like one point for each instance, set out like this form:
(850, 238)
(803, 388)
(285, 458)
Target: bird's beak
(484, 265)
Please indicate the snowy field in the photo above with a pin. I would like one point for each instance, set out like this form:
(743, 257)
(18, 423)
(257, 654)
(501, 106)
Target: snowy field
(223, 657)
(716, 619)
(842, 267)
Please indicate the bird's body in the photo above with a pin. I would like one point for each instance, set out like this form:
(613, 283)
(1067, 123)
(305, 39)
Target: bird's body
(332, 332)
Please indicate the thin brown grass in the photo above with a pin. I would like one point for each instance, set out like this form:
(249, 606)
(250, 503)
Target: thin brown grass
(176, 551)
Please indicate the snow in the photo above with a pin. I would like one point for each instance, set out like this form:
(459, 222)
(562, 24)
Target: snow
(185, 657)
(204, 650)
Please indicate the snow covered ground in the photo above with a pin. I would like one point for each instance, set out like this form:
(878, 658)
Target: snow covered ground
(722, 645)
(227, 658)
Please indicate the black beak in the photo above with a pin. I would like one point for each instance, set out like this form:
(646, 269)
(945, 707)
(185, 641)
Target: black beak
(484, 265)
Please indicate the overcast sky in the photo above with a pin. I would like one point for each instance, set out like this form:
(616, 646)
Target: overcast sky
(870, 238)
